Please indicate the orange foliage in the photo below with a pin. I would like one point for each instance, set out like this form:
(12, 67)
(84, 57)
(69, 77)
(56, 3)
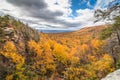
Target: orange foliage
(95, 43)
(11, 52)
(34, 47)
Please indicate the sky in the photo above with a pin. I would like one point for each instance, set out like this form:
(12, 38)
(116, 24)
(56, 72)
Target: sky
(54, 14)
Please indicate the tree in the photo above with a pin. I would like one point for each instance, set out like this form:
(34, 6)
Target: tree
(41, 58)
(10, 52)
(106, 33)
(116, 28)
(107, 14)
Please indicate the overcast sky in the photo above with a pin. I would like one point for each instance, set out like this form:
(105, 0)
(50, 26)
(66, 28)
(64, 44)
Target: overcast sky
(54, 14)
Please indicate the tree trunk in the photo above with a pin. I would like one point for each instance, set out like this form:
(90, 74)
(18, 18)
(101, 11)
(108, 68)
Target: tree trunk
(118, 36)
(113, 56)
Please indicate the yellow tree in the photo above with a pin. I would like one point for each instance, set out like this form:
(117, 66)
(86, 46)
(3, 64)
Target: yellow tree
(42, 58)
(10, 52)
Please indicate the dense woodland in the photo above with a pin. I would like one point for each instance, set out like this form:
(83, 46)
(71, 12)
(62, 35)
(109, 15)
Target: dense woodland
(87, 54)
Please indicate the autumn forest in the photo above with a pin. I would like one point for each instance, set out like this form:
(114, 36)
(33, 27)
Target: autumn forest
(86, 54)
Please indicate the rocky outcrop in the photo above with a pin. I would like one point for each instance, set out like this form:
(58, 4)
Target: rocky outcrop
(113, 76)
(18, 32)
(107, 14)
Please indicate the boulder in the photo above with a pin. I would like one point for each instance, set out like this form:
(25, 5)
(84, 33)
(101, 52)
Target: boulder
(113, 76)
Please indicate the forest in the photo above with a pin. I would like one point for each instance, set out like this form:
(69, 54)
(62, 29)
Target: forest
(87, 54)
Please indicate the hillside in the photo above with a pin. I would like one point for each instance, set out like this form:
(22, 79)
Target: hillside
(71, 39)
(26, 54)
(86, 53)
(14, 36)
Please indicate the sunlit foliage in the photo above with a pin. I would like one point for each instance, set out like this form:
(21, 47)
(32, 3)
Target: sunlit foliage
(69, 56)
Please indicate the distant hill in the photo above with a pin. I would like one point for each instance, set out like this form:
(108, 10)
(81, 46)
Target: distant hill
(55, 31)
(76, 37)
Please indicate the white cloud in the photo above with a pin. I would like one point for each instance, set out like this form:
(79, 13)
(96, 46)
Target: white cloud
(54, 15)
(8, 8)
(60, 5)
(84, 17)
(102, 3)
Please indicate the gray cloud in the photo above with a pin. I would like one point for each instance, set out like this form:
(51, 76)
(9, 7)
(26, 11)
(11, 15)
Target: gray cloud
(37, 4)
(38, 9)
(35, 8)
(44, 14)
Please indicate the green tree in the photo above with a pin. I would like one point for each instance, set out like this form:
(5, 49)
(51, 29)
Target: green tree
(107, 32)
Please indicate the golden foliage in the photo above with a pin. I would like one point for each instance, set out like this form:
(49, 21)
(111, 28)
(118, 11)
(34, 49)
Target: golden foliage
(11, 52)
(96, 43)
(9, 77)
(34, 47)
(104, 64)
(70, 56)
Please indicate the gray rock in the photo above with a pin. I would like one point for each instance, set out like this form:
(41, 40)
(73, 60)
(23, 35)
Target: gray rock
(113, 76)
(8, 31)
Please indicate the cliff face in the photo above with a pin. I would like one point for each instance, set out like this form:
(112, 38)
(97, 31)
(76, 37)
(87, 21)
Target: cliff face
(16, 31)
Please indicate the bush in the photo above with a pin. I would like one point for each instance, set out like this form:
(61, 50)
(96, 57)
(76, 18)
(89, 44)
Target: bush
(106, 33)
(118, 65)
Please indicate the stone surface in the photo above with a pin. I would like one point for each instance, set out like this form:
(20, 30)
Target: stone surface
(113, 76)
(8, 31)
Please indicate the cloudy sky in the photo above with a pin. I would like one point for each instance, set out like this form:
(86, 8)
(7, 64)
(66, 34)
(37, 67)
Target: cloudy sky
(54, 14)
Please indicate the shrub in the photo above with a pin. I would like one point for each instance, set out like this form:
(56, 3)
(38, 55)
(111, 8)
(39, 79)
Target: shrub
(106, 33)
